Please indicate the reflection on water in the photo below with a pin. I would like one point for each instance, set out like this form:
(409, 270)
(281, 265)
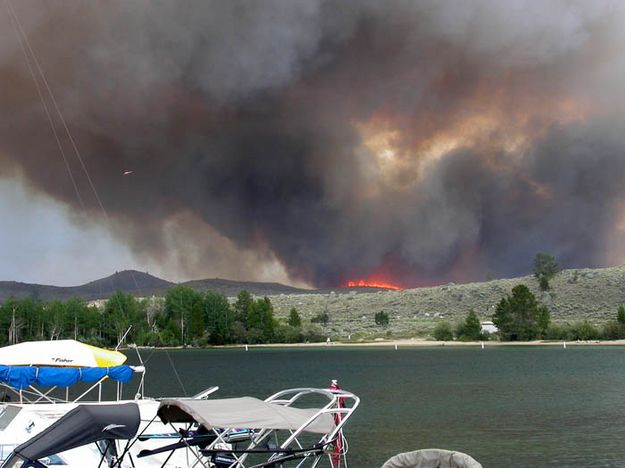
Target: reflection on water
(525, 406)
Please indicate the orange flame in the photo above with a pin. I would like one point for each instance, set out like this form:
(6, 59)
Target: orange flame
(373, 284)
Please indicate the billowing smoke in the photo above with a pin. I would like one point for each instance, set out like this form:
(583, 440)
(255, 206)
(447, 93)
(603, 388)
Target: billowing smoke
(417, 141)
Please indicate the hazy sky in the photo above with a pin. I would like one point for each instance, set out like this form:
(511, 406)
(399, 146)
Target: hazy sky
(43, 242)
(39, 242)
(311, 141)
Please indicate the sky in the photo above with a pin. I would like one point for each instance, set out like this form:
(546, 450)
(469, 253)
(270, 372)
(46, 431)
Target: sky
(310, 142)
(46, 246)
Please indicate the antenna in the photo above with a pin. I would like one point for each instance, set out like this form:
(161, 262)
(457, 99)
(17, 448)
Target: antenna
(123, 338)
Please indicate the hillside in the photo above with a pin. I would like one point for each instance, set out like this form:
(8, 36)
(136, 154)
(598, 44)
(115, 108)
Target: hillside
(232, 288)
(584, 294)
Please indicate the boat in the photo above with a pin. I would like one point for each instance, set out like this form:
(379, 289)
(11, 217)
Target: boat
(36, 378)
(239, 432)
(282, 428)
(302, 425)
(84, 425)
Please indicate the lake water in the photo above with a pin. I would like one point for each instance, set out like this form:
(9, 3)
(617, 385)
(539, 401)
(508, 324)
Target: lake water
(505, 406)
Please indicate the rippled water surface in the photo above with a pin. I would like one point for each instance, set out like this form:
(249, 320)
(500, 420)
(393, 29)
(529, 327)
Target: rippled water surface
(506, 406)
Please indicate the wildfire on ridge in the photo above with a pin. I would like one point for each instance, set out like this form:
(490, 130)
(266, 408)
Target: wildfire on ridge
(373, 284)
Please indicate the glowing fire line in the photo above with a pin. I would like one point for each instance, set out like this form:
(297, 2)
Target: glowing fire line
(372, 284)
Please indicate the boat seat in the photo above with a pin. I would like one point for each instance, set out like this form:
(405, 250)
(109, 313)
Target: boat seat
(431, 458)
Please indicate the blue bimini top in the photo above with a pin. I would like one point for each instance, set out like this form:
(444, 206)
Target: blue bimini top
(20, 377)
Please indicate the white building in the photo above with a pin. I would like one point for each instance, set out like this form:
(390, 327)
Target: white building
(489, 327)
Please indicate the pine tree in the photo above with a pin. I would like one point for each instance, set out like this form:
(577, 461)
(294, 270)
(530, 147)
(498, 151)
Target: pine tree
(545, 268)
(242, 307)
(520, 316)
(219, 318)
(295, 320)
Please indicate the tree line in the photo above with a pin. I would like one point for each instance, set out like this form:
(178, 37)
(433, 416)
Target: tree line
(185, 317)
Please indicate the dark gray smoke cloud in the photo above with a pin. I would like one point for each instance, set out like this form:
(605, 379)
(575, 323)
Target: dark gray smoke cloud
(412, 141)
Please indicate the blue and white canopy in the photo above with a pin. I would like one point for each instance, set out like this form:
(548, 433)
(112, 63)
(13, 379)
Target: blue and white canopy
(65, 353)
(61, 363)
(20, 377)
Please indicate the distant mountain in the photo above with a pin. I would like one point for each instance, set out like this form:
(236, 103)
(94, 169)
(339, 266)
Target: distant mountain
(36, 291)
(140, 284)
(128, 281)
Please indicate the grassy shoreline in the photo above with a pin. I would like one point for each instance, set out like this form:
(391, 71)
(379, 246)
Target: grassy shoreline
(406, 343)
(436, 344)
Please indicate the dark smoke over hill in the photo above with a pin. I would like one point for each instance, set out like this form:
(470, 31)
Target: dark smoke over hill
(414, 142)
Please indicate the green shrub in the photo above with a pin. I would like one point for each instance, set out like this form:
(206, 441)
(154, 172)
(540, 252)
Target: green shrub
(584, 331)
(288, 334)
(558, 332)
(322, 318)
(442, 332)
(312, 334)
(382, 319)
(613, 330)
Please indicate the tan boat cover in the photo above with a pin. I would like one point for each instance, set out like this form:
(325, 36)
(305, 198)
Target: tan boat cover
(432, 458)
(245, 412)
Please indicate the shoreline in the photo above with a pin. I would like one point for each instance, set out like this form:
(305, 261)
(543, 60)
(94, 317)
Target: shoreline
(404, 343)
(416, 343)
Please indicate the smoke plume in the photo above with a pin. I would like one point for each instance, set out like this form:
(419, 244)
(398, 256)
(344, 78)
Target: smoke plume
(413, 141)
